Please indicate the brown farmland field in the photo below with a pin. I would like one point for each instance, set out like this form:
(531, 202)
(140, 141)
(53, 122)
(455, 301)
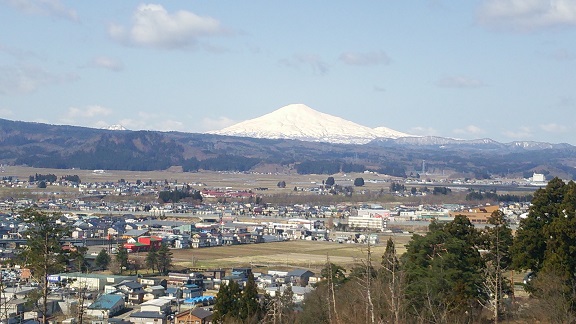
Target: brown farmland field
(284, 255)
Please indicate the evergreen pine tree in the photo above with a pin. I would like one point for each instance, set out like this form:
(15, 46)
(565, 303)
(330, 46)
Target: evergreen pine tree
(102, 259)
(122, 258)
(249, 303)
(443, 271)
(223, 303)
(43, 253)
(164, 259)
(152, 259)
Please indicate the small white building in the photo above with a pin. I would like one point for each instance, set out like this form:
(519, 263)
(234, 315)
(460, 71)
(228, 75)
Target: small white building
(538, 178)
(153, 311)
(156, 305)
(89, 281)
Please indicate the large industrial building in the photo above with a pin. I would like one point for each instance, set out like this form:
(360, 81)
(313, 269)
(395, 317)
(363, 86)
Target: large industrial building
(372, 219)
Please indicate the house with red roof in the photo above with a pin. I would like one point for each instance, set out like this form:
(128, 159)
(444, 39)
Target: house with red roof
(144, 243)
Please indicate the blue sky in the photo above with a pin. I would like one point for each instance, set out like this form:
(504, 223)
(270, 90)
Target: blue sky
(503, 69)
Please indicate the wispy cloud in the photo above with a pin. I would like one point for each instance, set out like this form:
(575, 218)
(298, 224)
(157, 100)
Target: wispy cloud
(365, 59)
(312, 61)
(459, 82)
(527, 15)
(153, 26)
(88, 112)
(28, 79)
(213, 124)
(152, 121)
(18, 54)
(379, 88)
(469, 130)
(89, 116)
(107, 63)
(554, 128)
(520, 133)
(6, 113)
(52, 8)
(424, 131)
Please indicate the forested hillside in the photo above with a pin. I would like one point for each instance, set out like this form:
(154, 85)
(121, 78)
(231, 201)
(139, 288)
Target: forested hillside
(65, 147)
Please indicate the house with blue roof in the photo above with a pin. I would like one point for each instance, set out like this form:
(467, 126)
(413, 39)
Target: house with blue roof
(191, 291)
(106, 306)
(201, 300)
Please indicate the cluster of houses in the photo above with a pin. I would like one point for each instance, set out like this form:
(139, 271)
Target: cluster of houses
(178, 298)
(345, 215)
(142, 233)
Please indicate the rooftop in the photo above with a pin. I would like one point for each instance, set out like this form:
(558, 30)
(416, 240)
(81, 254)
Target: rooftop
(106, 302)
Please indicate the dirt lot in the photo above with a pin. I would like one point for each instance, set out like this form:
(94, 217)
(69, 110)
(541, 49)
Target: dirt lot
(288, 254)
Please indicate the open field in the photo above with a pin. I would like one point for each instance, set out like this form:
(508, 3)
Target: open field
(235, 180)
(375, 190)
(288, 254)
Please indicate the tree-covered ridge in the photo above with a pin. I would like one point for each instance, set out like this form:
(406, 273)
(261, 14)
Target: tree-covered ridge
(54, 146)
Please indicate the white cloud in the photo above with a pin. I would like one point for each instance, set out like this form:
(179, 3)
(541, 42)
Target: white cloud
(89, 116)
(554, 128)
(313, 61)
(53, 8)
(135, 124)
(170, 125)
(365, 59)
(459, 82)
(6, 113)
(101, 124)
(151, 121)
(521, 133)
(469, 130)
(212, 124)
(527, 15)
(424, 131)
(27, 79)
(108, 63)
(153, 26)
(16, 52)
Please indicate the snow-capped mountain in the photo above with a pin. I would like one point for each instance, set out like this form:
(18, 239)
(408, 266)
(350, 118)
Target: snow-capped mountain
(115, 127)
(300, 122)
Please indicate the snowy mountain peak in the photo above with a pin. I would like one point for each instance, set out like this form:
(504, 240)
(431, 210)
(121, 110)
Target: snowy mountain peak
(298, 121)
(115, 127)
(295, 109)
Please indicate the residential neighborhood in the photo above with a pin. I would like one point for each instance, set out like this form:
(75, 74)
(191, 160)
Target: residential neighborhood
(189, 296)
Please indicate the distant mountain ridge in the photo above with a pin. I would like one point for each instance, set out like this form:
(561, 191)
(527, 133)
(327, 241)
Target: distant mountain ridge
(483, 143)
(300, 122)
(68, 147)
